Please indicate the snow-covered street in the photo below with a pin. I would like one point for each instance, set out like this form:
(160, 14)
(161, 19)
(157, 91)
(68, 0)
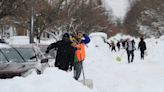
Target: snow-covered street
(101, 66)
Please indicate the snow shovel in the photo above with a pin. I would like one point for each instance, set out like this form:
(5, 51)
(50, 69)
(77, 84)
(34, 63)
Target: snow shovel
(86, 82)
(146, 53)
(118, 58)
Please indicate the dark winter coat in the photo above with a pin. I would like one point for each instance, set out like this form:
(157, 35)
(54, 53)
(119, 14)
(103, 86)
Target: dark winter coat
(65, 54)
(118, 44)
(142, 45)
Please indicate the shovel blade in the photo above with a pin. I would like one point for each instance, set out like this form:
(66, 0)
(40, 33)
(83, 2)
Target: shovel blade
(87, 82)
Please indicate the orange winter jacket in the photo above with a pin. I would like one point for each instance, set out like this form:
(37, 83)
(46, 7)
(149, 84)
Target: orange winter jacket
(80, 52)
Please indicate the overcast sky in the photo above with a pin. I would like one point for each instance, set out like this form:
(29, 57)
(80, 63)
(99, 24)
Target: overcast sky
(119, 7)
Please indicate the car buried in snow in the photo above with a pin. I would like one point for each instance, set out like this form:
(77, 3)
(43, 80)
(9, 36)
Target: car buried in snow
(21, 60)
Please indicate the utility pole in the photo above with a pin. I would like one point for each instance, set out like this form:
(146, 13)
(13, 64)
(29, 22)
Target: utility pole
(2, 32)
(32, 24)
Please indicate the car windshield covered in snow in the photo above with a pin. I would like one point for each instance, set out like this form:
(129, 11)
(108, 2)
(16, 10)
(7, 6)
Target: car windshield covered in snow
(17, 55)
(21, 60)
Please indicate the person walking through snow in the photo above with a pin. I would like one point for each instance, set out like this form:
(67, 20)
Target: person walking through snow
(118, 45)
(130, 47)
(65, 56)
(79, 44)
(113, 46)
(142, 47)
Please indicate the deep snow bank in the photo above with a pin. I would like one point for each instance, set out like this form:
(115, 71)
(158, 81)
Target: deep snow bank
(53, 80)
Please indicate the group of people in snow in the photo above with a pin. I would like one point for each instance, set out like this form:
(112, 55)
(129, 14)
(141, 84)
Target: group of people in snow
(113, 45)
(70, 52)
(129, 46)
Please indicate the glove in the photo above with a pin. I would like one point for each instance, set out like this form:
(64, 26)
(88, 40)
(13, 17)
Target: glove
(32, 57)
(84, 35)
(56, 64)
(46, 51)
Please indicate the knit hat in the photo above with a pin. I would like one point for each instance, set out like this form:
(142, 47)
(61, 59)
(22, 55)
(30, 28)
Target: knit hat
(66, 35)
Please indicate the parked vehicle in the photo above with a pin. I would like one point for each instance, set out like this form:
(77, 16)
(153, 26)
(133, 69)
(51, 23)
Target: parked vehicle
(2, 41)
(21, 60)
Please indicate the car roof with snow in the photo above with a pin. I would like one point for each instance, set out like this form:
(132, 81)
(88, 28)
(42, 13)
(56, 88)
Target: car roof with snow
(4, 45)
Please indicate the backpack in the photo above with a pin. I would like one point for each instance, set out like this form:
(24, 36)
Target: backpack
(130, 45)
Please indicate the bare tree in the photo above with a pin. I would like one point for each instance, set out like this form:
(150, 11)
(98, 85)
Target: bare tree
(145, 17)
(21, 12)
(82, 15)
(55, 15)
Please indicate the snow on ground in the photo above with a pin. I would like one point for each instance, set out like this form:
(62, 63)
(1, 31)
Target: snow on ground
(53, 80)
(108, 75)
(18, 40)
(24, 40)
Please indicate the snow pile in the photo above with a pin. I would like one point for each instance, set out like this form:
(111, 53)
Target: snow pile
(118, 37)
(53, 80)
(4, 46)
(47, 42)
(98, 38)
(22, 40)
